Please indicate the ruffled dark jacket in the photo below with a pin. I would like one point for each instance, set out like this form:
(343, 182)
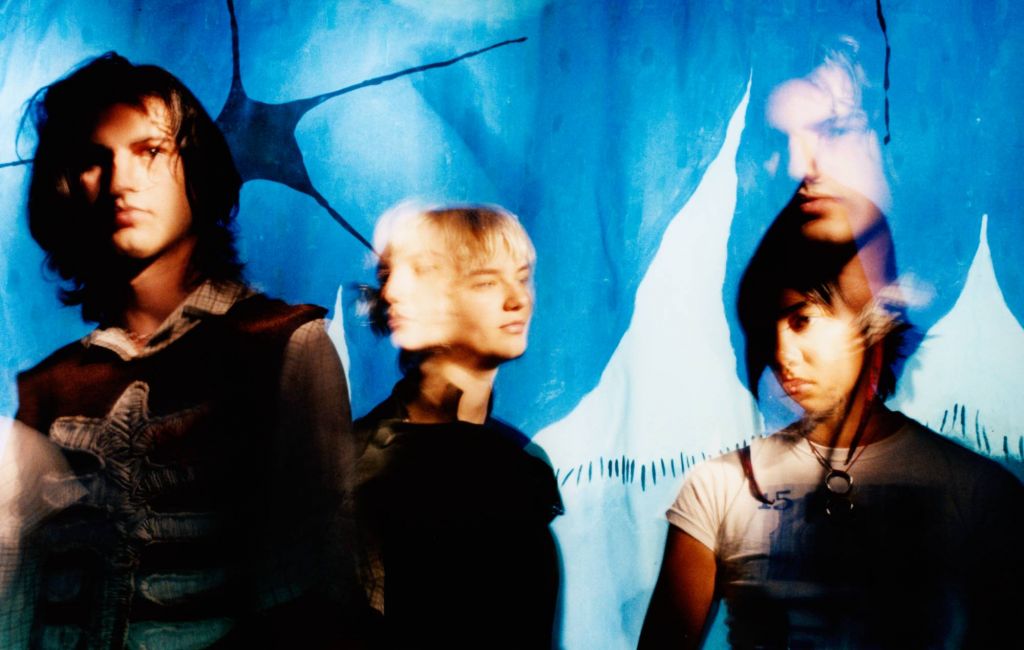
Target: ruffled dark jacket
(456, 522)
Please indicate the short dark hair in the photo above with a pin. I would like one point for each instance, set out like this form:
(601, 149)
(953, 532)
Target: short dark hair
(787, 259)
(64, 115)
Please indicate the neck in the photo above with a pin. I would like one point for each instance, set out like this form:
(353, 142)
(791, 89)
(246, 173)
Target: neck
(158, 289)
(864, 423)
(452, 391)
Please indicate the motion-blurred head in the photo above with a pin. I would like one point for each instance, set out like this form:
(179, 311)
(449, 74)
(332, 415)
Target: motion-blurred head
(831, 151)
(455, 281)
(804, 316)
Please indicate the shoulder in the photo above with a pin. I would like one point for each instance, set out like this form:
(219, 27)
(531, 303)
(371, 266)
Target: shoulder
(727, 468)
(55, 365)
(70, 353)
(975, 475)
(309, 347)
(365, 426)
(711, 478)
(261, 315)
(712, 487)
(38, 385)
(939, 446)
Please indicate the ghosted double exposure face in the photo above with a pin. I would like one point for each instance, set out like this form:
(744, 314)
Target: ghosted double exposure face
(819, 352)
(831, 152)
(477, 309)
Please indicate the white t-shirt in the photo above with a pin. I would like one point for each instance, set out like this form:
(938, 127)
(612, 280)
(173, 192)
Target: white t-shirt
(925, 513)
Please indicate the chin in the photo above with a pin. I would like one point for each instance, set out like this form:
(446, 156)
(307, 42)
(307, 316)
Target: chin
(515, 353)
(828, 228)
(127, 246)
(405, 342)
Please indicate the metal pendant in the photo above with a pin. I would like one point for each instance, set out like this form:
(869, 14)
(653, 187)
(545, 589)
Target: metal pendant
(839, 508)
(838, 482)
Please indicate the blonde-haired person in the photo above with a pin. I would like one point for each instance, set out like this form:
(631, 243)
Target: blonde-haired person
(454, 511)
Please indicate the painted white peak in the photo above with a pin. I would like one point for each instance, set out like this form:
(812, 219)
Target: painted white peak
(671, 383)
(670, 386)
(336, 332)
(974, 358)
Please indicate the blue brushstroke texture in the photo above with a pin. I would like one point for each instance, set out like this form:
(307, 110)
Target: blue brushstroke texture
(596, 131)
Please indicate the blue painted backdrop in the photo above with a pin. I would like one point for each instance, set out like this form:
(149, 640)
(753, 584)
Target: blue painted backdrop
(631, 139)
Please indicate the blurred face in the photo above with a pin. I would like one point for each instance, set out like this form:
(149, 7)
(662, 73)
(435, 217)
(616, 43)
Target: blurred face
(418, 289)
(494, 299)
(831, 152)
(819, 353)
(478, 311)
(134, 177)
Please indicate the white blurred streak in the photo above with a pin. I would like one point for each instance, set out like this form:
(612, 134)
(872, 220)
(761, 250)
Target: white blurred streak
(28, 462)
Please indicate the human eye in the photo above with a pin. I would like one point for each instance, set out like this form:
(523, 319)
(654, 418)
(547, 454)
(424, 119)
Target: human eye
(799, 321)
(154, 148)
(484, 283)
(92, 158)
(842, 125)
(424, 268)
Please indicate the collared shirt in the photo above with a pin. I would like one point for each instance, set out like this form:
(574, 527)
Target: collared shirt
(208, 299)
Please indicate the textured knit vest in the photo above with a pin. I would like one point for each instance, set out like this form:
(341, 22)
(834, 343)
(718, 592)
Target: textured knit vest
(171, 449)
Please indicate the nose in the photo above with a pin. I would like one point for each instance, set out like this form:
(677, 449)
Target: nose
(517, 297)
(125, 173)
(803, 151)
(787, 350)
(394, 286)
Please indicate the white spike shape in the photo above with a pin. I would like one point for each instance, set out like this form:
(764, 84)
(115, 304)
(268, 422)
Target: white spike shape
(669, 386)
(972, 358)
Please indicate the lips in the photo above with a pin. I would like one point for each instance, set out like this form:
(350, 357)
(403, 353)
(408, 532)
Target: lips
(515, 327)
(395, 321)
(808, 201)
(796, 386)
(128, 216)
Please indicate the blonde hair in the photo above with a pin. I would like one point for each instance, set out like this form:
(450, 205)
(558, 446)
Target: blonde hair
(468, 233)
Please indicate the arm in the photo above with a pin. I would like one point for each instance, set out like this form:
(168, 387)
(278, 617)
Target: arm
(319, 600)
(683, 596)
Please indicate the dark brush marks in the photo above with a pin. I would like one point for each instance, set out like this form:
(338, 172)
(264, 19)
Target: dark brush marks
(888, 55)
(249, 125)
(952, 427)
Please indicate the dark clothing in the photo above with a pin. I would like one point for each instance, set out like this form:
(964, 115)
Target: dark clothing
(197, 521)
(456, 518)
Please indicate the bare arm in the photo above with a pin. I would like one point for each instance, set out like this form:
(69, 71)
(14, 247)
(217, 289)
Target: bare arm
(682, 598)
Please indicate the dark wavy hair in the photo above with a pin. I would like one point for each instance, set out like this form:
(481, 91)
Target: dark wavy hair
(786, 259)
(60, 219)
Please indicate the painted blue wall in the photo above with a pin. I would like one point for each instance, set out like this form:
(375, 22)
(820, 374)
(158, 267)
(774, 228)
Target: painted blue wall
(598, 129)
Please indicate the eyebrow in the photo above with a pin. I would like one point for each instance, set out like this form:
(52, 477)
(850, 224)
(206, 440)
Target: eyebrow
(146, 141)
(792, 309)
(158, 139)
(493, 271)
(416, 256)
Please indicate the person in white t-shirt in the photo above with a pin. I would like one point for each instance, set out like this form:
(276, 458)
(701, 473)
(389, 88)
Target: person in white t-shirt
(855, 526)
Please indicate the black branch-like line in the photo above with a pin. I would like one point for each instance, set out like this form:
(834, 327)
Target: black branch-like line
(242, 115)
(888, 56)
(286, 116)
